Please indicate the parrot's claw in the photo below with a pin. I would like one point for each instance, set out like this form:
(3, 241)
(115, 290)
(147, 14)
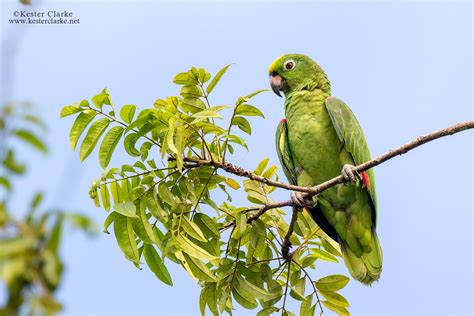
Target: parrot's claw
(349, 173)
(300, 201)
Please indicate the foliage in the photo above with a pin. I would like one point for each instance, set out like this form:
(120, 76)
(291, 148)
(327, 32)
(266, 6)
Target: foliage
(30, 265)
(174, 203)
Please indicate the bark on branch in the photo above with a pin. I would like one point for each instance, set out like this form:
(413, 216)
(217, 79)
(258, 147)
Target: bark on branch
(310, 191)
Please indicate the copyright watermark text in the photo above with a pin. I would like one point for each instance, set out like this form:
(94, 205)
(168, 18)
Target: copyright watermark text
(43, 17)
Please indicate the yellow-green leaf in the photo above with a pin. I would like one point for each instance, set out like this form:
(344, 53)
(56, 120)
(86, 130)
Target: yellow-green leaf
(108, 221)
(192, 229)
(127, 112)
(248, 110)
(127, 209)
(335, 298)
(105, 196)
(108, 145)
(193, 250)
(232, 183)
(254, 290)
(92, 137)
(332, 283)
(216, 79)
(31, 139)
(69, 110)
(323, 255)
(199, 269)
(340, 310)
(79, 126)
(126, 237)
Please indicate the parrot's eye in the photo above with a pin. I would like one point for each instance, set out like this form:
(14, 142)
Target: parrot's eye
(289, 64)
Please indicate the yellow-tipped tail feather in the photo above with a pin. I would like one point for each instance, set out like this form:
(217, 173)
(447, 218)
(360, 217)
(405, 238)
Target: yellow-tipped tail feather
(366, 268)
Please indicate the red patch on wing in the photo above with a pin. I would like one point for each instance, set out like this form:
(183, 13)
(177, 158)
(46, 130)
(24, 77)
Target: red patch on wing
(365, 180)
(283, 120)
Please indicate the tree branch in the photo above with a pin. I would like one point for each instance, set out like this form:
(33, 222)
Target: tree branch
(310, 191)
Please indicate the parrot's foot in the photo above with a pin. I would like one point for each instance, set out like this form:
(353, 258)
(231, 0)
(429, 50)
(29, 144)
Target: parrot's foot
(349, 173)
(300, 201)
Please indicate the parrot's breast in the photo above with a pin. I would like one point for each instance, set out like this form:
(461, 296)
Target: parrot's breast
(315, 146)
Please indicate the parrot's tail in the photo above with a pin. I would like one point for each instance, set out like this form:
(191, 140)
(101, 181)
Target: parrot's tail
(366, 268)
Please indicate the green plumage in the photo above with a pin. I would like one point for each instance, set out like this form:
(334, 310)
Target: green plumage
(319, 136)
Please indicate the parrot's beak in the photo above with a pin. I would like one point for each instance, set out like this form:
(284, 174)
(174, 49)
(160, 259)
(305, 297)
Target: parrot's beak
(277, 83)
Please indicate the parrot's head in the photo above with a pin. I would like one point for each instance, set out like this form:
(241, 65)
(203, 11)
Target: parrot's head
(295, 72)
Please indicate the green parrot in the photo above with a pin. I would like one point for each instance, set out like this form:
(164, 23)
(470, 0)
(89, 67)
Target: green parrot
(319, 139)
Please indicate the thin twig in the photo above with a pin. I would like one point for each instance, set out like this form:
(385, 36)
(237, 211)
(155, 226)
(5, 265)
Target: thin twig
(286, 245)
(312, 283)
(286, 286)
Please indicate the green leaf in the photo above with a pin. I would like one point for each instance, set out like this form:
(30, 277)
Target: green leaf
(323, 255)
(340, 310)
(329, 247)
(14, 246)
(192, 229)
(31, 139)
(108, 145)
(267, 311)
(129, 145)
(79, 126)
(270, 172)
(335, 298)
(145, 223)
(193, 105)
(191, 91)
(251, 95)
(244, 298)
(102, 98)
(261, 166)
(198, 269)
(55, 234)
(105, 196)
(170, 135)
(207, 225)
(180, 140)
(240, 225)
(5, 183)
(248, 110)
(184, 79)
(254, 290)
(210, 112)
(243, 124)
(332, 283)
(116, 192)
(127, 112)
(69, 110)
(305, 308)
(127, 209)
(216, 79)
(108, 221)
(156, 265)
(92, 137)
(193, 250)
(154, 206)
(211, 298)
(36, 200)
(126, 237)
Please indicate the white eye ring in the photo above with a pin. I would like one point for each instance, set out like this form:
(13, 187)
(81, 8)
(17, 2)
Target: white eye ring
(289, 64)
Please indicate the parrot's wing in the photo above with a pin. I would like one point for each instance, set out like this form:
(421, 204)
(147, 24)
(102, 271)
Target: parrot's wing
(284, 153)
(286, 160)
(350, 134)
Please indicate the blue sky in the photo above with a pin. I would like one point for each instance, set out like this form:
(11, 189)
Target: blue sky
(405, 68)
